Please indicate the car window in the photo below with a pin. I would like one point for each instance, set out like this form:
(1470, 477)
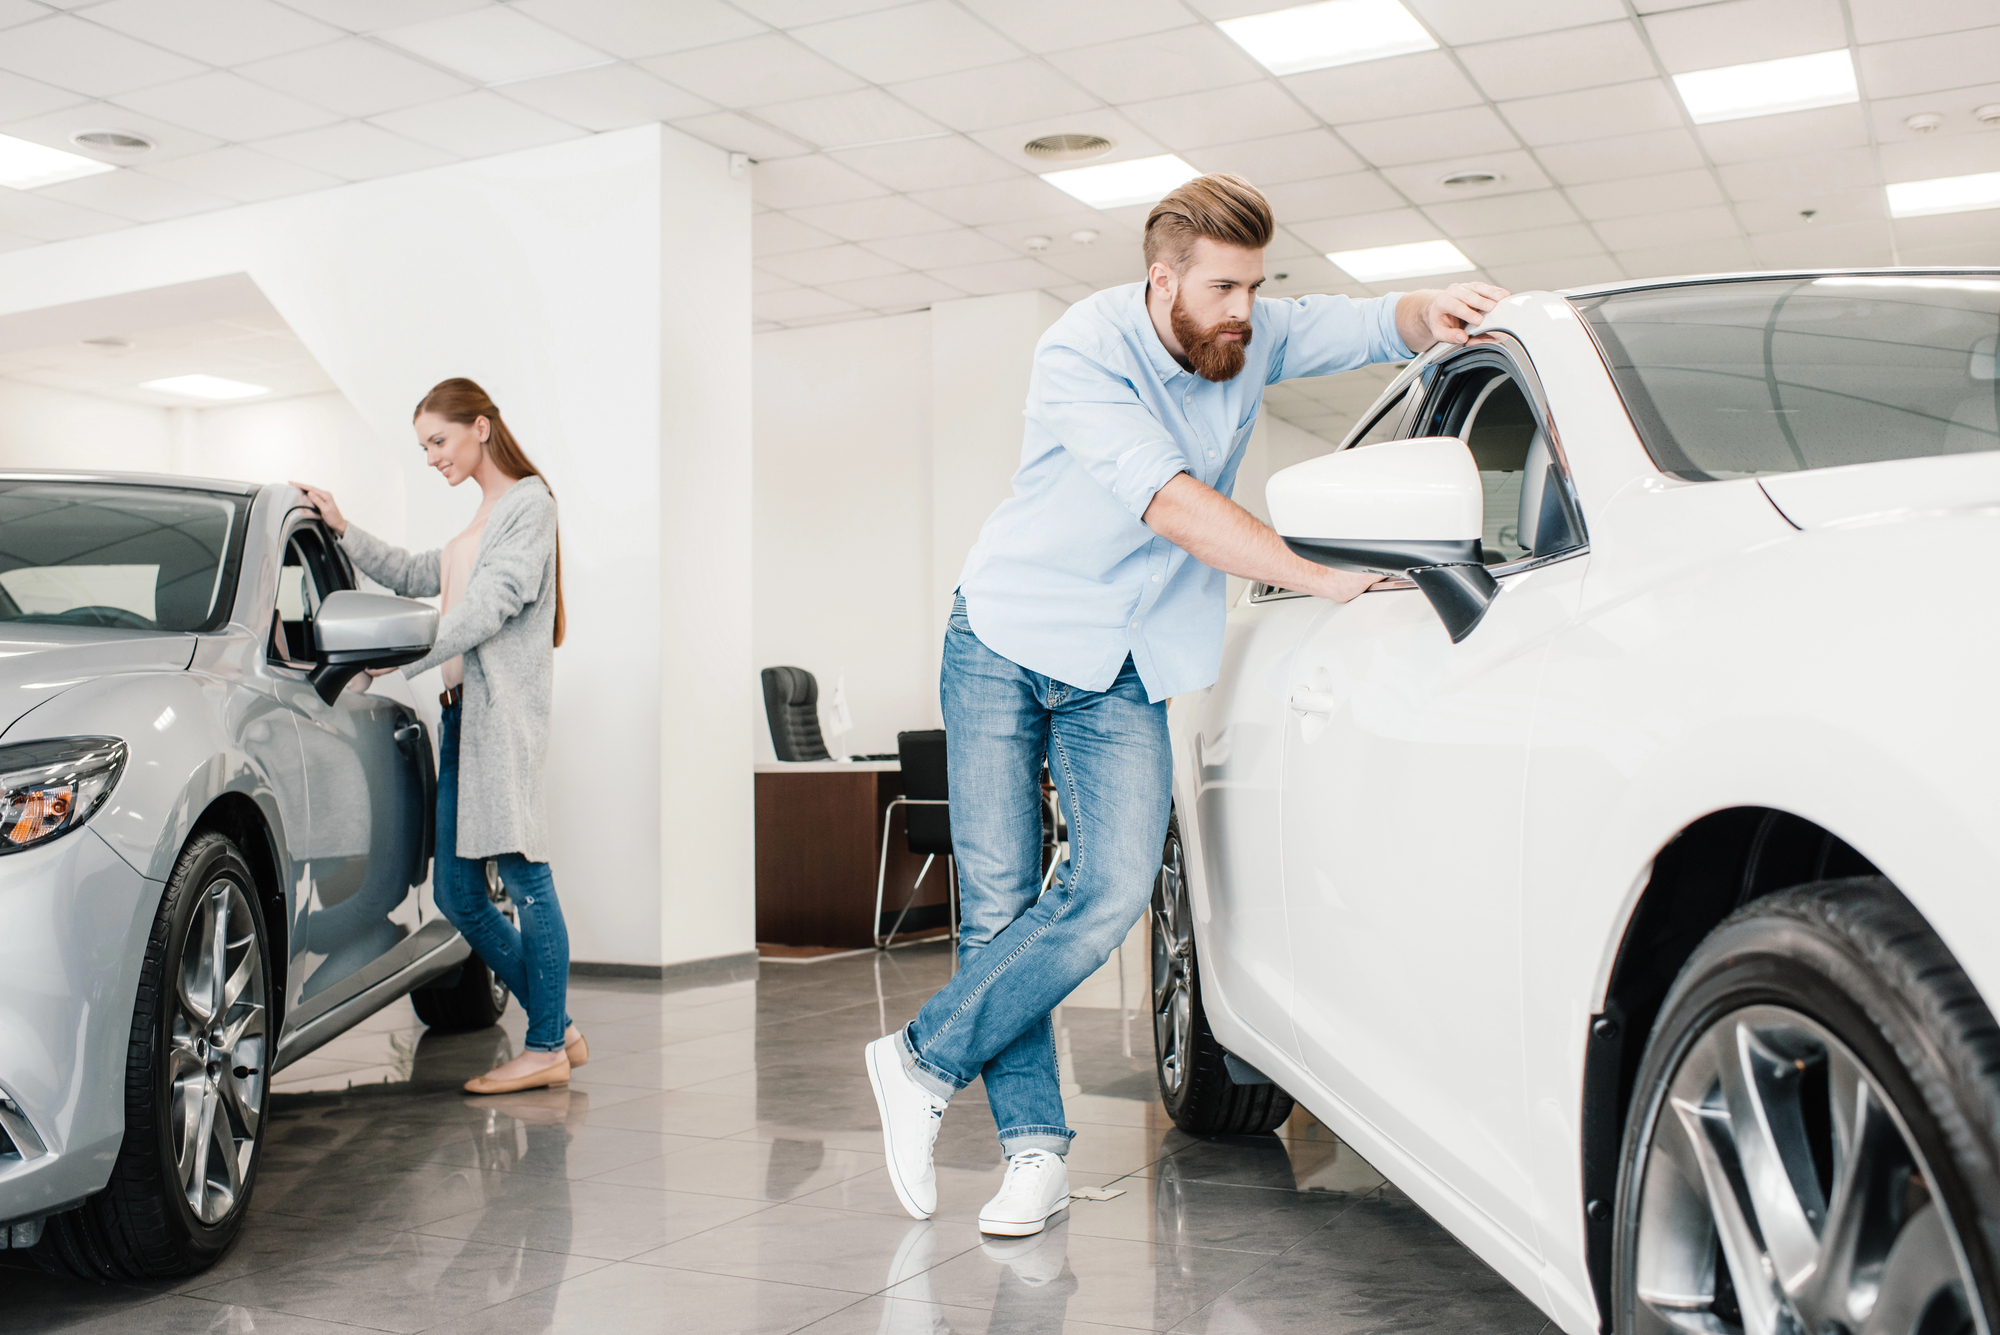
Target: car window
(1738, 379)
(307, 576)
(1481, 401)
(1387, 424)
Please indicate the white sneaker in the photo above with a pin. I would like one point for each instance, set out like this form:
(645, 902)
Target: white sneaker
(910, 1116)
(1036, 1186)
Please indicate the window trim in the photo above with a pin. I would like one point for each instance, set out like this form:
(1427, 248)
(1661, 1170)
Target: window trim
(298, 520)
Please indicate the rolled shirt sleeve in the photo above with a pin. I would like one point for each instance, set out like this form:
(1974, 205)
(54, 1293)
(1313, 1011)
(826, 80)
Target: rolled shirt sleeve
(1325, 335)
(1097, 416)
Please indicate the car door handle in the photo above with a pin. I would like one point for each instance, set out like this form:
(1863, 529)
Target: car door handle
(1314, 702)
(407, 735)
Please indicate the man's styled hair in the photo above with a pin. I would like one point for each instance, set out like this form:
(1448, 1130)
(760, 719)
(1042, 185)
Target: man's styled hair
(1223, 208)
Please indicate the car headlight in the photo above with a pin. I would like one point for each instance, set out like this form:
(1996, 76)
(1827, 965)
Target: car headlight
(51, 787)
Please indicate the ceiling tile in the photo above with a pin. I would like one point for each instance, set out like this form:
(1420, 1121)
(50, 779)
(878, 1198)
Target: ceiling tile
(799, 303)
(1375, 89)
(828, 265)
(1525, 247)
(1888, 20)
(1192, 120)
(1100, 267)
(773, 233)
(1889, 113)
(1686, 258)
(1461, 21)
(997, 201)
(54, 128)
(1851, 246)
(1926, 64)
(608, 98)
(477, 125)
(1659, 229)
(1502, 213)
(927, 163)
(136, 197)
(497, 44)
(937, 250)
(70, 53)
(1556, 62)
(1594, 113)
(1424, 182)
(865, 116)
(1001, 276)
(873, 219)
(1285, 157)
(795, 13)
(1059, 227)
(794, 183)
(768, 282)
(1392, 227)
(375, 15)
(771, 68)
(21, 96)
(1008, 141)
(1626, 155)
(893, 292)
(355, 77)
(1161, 64)
(1053, 25)
(1830, 209)
(995, 95)
(1467, 131)
(1766, 177)
(227, 106)
(30, 213)
(931, 37)
(1555, 275)
(1304, 275)
(737, 134)
(633, 30)
(354, 150)
(1961, 155)
(1782, 136)
(1331, 197)
(1657, 193)
(1950, 238)
(241, 174)
(215, 32)
(1742, 31)
(15, 12)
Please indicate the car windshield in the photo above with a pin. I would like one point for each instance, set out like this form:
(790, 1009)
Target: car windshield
(1738, 379)
(115, 555)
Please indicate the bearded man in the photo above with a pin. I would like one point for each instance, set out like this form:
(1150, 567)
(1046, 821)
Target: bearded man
(1094, 594)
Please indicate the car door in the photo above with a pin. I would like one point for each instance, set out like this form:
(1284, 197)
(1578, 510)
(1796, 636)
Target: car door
(369, 785)
(1404, 763)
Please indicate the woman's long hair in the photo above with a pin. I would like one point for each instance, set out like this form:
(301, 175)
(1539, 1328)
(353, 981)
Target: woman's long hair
(463, 401)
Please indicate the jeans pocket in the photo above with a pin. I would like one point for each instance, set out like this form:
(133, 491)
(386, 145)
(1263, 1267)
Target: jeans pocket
(959, 621)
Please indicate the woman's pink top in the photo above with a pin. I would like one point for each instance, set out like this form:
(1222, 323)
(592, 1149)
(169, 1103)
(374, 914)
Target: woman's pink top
(459, 554)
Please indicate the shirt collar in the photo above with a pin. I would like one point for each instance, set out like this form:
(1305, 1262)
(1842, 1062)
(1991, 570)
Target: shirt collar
(1163, 363)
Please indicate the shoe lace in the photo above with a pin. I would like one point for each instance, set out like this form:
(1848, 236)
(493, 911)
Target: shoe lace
(1024, 1167)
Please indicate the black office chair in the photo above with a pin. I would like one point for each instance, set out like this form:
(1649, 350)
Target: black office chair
(926, 825)
(791, 703)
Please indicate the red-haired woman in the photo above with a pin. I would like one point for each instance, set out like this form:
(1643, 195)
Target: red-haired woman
(501, 587)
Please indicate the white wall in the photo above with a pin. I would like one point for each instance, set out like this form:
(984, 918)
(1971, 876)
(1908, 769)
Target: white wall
(57, 428)
(539, 274)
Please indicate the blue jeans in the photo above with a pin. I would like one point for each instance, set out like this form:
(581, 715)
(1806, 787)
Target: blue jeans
(533, 961)
(1021, 951)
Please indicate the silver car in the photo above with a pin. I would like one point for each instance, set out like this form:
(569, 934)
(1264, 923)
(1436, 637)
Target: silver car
(215, 850)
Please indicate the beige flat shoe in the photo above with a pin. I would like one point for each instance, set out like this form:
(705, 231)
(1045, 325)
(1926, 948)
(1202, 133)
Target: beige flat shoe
(576, 1050)
(555, 1073)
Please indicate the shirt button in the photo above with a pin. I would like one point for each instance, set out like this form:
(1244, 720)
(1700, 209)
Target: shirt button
(1135, 625)
(1156, 579)
(1211, 454)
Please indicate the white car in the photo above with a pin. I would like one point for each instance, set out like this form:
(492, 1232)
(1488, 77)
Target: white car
(1623, 879)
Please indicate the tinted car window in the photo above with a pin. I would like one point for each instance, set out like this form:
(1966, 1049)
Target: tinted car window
(107, 554)
(1773, 376)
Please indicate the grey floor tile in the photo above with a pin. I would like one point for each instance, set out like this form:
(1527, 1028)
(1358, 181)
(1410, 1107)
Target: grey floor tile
(833, 1249)
(183, 1315)
(1208, 1214)
(881, 1315)
(681, 1112)
(627, 1297)
(569, 1151)
(590, 1218)
(753, 1170)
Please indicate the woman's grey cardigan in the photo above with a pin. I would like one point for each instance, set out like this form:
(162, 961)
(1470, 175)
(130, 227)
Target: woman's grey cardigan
(504, 627)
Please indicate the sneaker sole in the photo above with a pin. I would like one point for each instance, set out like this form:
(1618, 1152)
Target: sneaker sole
(1014, 1228)
(909, 1203)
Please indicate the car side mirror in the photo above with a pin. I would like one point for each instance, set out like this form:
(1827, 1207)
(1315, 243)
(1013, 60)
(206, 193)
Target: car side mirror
(356, 630)
(1408, 507)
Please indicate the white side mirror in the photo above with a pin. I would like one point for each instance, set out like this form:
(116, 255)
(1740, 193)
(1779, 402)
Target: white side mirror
(1407, 507)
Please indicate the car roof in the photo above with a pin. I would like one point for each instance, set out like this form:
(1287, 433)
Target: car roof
(133, 479)
(1692, 280)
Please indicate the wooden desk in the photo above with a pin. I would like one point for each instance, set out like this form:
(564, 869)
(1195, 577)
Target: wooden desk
(819, 833)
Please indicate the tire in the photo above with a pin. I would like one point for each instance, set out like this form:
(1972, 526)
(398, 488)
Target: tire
(1194, 1079)
(476, 1000)
(198, 1057)
(1814, 1139)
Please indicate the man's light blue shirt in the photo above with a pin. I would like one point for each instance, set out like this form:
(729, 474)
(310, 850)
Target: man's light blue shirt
(1065, 578)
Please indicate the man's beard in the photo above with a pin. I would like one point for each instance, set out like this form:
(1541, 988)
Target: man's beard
(1212, 356)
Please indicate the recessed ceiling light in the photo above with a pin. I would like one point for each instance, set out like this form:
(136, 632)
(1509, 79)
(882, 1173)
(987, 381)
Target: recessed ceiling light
(1472, 176)
(1068, 147)
(1379, 264)
(206, 387)
(1988, 114)
(113, 141)
(25, 165)
(1923, 122)
(1768, 87)
(1945, 194)
(1112, 185)
(1338, 32)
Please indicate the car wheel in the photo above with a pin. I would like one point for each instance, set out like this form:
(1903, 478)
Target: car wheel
(1814, 1143)
(1194, 1078)
(476, 1000)
(196, 1081)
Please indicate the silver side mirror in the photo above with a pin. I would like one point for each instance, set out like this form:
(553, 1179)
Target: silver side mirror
(354, 630)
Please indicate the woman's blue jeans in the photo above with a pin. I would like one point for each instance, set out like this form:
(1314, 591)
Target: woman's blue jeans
(533, 961)
(1021, 951)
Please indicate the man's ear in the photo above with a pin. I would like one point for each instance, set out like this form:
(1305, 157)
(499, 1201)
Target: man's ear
(1161, 278)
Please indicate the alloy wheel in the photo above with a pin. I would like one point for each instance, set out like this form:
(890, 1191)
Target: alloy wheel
(1173, 963)
(1784, 1195)
(216, 1052)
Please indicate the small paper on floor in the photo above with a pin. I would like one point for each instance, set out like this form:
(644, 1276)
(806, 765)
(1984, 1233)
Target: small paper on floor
(1096, 1193)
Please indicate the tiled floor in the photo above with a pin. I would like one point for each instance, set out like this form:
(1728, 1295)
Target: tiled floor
(717, 1168)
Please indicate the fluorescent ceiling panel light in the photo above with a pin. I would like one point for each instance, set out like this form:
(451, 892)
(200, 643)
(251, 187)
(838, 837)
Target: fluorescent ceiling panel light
(1945, 194)
(1111, 185)
(495, 45)
(1379, 264)
(1768, 87)
(25, 165)
(1338, 32)
(206, 387)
